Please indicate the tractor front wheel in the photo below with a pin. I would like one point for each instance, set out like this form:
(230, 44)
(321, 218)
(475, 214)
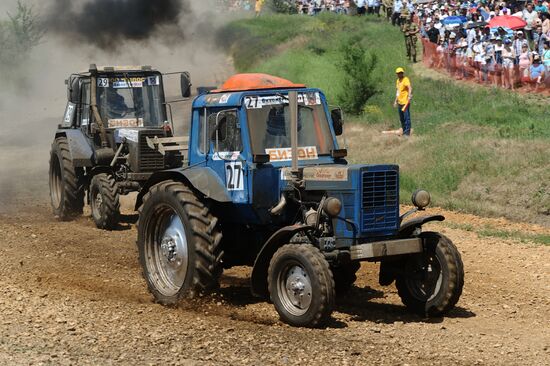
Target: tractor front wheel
(178, 242)
(301, 285)
(66, 189)
(104, 201)
(432, 281)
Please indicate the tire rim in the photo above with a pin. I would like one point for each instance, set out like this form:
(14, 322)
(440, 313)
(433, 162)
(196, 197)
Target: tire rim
(426, 283)
(97, 203)
(167, 253)
(56, 182)
(294, 288)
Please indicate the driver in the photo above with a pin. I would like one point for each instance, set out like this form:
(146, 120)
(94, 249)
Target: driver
(116, 105)
(277, 127)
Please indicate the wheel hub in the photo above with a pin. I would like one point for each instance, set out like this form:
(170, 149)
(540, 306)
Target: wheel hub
(169, 249)
(298, 288)
(98, 200)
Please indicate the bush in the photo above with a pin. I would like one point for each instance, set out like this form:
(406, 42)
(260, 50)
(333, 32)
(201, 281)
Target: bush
(359, 82)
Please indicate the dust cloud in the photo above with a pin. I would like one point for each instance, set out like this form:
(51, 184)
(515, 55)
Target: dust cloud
(32, 104)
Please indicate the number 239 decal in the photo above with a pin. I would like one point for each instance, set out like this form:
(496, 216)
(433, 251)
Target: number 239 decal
(234, 176)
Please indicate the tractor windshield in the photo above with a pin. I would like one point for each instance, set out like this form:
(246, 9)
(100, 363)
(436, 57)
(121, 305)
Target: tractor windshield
(269, 122)
(130, 101)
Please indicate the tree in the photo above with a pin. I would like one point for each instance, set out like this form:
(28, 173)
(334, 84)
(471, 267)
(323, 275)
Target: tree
(360, 83)
(19, 35)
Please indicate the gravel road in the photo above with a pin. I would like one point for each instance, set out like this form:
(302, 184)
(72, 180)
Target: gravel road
(73, 294)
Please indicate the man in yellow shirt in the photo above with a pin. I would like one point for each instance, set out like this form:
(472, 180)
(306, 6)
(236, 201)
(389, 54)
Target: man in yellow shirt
(258, 7)
(403, 97)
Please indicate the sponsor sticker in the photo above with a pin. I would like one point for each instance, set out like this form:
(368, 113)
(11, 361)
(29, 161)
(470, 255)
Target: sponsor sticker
(285, 154)
(225, 98)
(323, 174)
(125, 83)
(226, 155)
(125, 122)
(258, 102)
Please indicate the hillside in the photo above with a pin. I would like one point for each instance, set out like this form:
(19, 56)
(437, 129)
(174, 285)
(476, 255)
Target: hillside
(478, 150)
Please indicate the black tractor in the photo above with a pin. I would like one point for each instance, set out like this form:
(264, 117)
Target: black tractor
(114, 135)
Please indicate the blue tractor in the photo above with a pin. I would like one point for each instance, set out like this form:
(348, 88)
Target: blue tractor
(265, 184)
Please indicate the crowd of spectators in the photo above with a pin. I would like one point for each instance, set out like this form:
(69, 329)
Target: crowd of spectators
(459, 37)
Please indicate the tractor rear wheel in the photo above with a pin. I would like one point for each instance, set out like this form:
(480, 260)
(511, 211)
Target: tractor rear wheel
(104, 201)
(66, 189)
(179, 243)
(301, 285)
(433, 280)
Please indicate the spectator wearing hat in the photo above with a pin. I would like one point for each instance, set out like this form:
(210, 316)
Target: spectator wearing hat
(525, 60)
(537, 74)
(518, 44)
(402, 100)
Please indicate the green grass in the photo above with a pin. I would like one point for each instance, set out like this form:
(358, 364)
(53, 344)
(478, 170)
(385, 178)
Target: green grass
(480, 150)
(491, 232)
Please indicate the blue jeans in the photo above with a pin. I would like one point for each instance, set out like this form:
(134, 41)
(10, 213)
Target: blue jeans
(405, 118)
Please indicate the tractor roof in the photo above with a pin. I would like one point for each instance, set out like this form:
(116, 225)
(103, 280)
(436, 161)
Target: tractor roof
(244, 82)
(117, 69)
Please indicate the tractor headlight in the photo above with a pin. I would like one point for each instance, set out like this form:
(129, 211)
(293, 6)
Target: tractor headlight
(421, 198)
(332, 206)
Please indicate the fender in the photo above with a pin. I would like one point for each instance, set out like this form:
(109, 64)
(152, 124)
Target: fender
(261, 265)
(79, 147)
(202, 179)
(409, 226)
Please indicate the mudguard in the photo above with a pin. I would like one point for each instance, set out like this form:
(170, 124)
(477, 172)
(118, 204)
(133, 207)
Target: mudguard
(261, 265)
(79, 147)
(202, 179)
(408, 227)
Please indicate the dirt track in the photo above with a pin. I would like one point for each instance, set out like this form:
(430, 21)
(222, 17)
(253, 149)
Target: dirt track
(72, 294)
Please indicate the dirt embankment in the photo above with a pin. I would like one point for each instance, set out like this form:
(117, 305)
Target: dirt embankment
(73, 294)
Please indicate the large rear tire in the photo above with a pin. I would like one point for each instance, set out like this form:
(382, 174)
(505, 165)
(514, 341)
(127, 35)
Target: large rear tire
(301, 285)
(66, 188)
(179, 243)
(433, 280)
(105, 201)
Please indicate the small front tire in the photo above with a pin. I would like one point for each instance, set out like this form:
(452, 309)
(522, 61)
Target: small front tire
(433, 280)
(301, 285)
(104, 201)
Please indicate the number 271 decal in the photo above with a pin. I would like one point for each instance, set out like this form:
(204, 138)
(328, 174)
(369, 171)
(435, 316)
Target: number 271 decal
(234, 176)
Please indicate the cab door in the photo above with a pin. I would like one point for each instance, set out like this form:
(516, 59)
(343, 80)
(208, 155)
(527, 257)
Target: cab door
(225, 155)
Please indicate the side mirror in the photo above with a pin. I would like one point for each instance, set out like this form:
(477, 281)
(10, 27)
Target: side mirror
(337, 116)
(261, 158)
(185, 81)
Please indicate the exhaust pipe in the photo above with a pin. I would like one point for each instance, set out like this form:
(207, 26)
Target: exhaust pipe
(293, 105)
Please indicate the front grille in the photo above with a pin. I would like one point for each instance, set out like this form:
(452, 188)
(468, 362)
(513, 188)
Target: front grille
(149, 159)
(380, 195)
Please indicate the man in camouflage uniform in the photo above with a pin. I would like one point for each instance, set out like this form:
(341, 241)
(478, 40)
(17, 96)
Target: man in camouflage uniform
(387, 5)
(410, 31)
